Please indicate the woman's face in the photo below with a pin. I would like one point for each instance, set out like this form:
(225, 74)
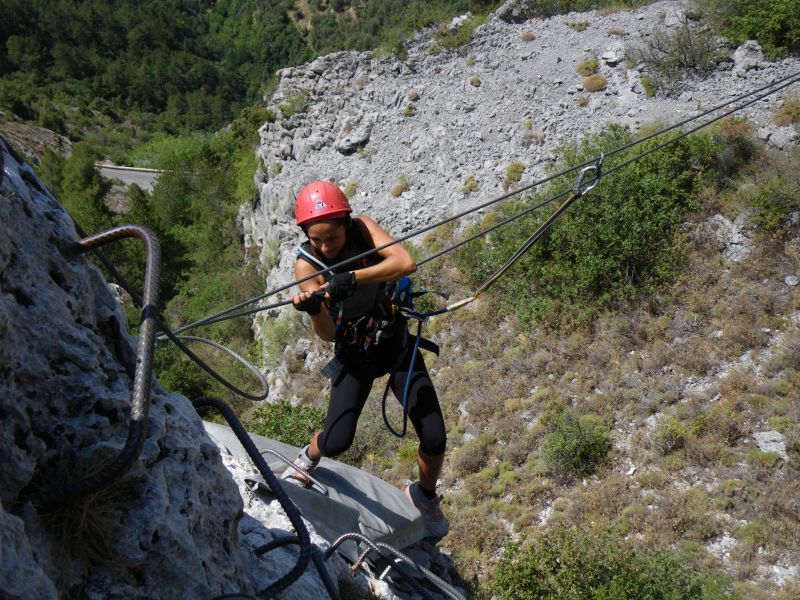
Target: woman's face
(328, 238)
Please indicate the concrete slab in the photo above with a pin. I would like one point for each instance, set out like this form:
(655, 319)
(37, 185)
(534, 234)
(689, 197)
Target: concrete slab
(355, 500)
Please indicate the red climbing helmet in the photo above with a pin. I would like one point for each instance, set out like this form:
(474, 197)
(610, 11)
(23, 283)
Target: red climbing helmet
(320, 200)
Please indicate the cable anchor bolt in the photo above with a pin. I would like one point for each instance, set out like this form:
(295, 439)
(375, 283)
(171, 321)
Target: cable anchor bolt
(597, 169)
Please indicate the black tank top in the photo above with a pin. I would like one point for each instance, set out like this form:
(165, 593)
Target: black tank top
(366, 296)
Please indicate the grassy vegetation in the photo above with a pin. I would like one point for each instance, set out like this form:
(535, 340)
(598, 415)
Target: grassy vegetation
(572, 563)
(605, 250)
(775, 24)
(671, 55)
(293, 425)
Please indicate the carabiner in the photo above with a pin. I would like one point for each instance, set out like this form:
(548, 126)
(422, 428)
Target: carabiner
(596, 168)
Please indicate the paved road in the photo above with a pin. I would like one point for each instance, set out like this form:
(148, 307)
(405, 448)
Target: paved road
(144, 178)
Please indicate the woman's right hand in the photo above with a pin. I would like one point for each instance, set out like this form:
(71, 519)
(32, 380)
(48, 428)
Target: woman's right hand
(308, 302)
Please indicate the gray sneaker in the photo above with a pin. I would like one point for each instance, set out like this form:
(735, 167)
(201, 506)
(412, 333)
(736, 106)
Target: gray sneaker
(435, 521)
(303, 465)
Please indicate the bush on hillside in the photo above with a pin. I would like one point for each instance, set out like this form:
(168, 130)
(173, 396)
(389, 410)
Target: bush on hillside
(594, 83)
(670, 54)
(618, 241)
(580, 565)
(576, 446)
(775, 24)
(293, 425)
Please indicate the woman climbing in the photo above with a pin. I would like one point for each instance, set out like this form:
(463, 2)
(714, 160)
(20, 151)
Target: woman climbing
(370, 338)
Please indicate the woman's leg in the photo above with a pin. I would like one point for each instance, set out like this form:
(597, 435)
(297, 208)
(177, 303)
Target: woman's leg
(349, 392)
(426, 417)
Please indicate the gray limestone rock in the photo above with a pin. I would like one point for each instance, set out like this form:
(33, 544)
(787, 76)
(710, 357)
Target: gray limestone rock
(771, 441)
(747, 57)
(168, 529)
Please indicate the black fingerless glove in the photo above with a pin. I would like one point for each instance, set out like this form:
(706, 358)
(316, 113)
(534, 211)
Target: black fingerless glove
(310, 305)
(341, 286)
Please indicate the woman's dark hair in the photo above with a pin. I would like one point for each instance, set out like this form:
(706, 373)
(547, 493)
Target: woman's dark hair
(346, 221)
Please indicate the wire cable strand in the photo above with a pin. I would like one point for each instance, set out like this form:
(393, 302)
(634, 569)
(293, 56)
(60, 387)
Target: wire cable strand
(140, 398)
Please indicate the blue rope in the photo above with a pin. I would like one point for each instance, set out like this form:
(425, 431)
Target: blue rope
(406, 387)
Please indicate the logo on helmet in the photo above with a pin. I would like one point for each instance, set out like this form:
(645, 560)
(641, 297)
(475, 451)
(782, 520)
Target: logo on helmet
(319, 205)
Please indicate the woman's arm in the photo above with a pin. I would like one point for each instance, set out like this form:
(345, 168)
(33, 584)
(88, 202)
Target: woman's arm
(396, 259)
(321, 323)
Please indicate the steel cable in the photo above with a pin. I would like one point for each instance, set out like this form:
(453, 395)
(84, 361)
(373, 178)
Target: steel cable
(371, 546)
(140, 399)
(168, 333)
(434, 579)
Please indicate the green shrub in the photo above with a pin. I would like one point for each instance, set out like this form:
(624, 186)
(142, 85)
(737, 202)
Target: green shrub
(470, 184)
(578, 25)
(575, 564)
(514, 173)
(455, 38)
(472, 456)
(296, 103)
(671, 54)
(775, 24)
(772, 200)
(763, 459)
(350, 188)
(668, 436)
(83, 190)
(789, 111)
(403, 185)
(293, 425)
(576, 446)
(245, 127)
(650, 85)
(617, 242)
(587, 67)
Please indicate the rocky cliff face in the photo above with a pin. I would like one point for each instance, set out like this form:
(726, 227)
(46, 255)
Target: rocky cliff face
(439, 116)
(65, 396)
(174, 527)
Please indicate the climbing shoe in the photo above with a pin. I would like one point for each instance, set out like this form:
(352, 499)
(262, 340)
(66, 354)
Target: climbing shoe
(303, 466)
(435, 521)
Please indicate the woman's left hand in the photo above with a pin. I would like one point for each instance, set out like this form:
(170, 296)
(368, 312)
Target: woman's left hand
(340, 286)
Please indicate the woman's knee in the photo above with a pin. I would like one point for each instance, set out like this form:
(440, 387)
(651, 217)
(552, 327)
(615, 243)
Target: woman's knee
(434, 444)
(333, 445)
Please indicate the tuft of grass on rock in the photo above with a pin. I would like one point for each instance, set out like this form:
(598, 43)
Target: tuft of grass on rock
(788, 113)
(594, 83)
(587, 67)
(403, 185)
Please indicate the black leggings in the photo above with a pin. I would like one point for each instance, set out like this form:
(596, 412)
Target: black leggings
(350, 389)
